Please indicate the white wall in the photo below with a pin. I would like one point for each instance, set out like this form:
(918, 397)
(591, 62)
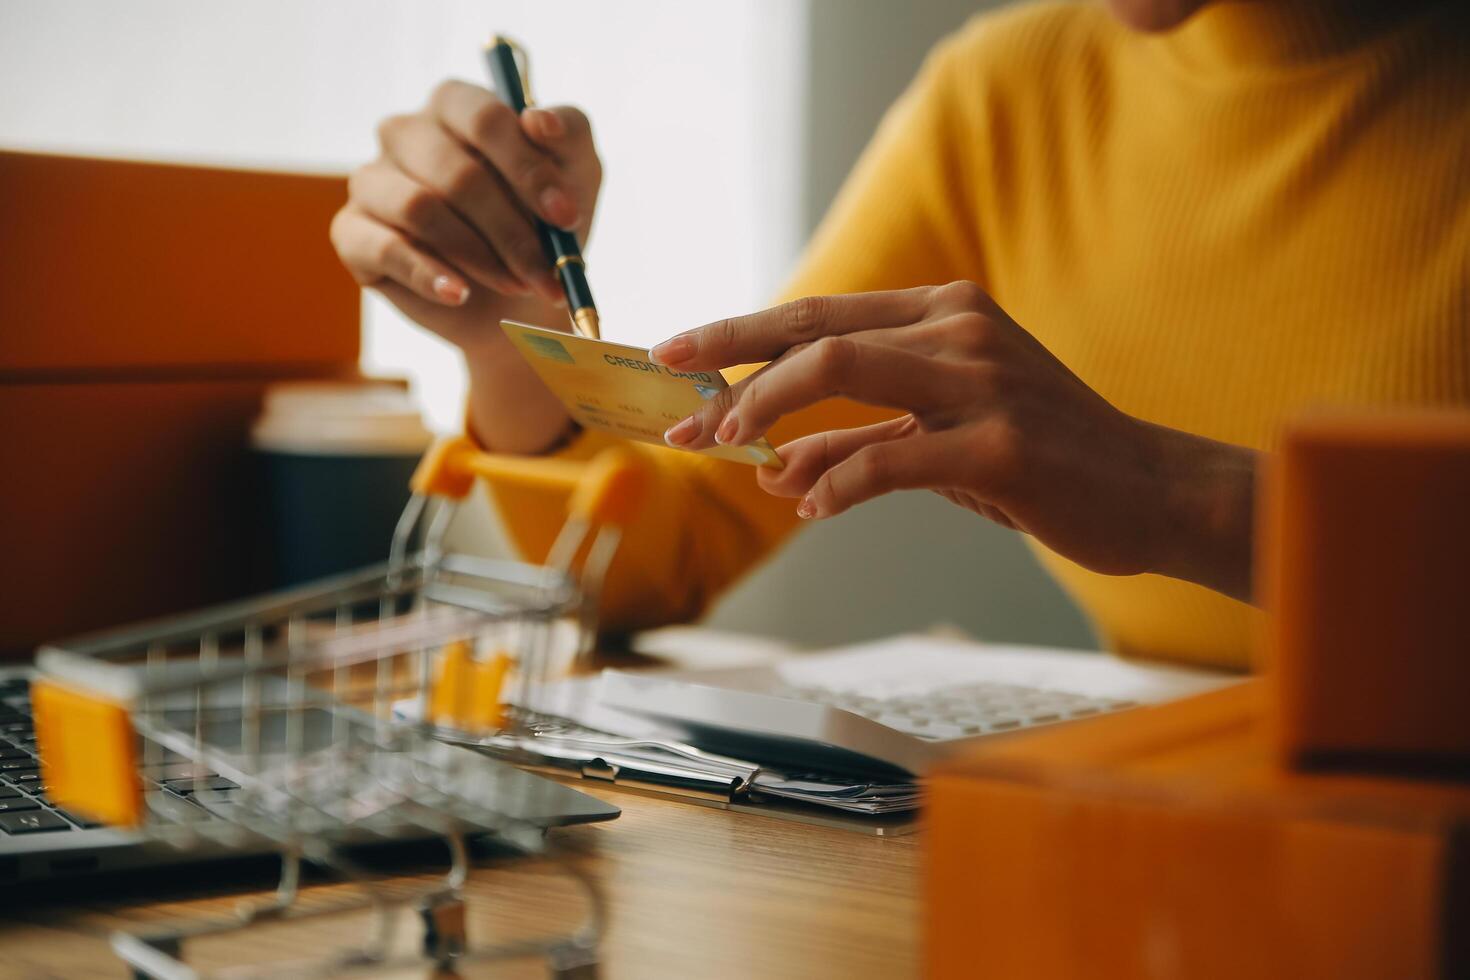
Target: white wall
(688, 101)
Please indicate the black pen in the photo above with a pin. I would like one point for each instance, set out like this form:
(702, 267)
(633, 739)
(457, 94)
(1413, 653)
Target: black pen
(561, 246)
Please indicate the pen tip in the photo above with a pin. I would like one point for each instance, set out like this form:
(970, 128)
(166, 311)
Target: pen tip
(587, 322)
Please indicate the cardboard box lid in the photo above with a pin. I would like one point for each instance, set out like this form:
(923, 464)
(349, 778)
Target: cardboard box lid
(111, 266)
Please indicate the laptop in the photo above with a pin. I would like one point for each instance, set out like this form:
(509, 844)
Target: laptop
(40, 841)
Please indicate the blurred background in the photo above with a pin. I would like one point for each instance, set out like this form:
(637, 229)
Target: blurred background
(743, 118)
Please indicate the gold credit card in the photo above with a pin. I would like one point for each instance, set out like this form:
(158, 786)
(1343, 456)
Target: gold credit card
(619, 389)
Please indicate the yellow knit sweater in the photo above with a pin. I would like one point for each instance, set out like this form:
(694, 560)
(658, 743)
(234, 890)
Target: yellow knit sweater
(1263, 211)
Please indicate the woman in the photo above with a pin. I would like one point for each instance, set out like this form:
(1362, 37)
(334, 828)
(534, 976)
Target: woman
(1090, 262)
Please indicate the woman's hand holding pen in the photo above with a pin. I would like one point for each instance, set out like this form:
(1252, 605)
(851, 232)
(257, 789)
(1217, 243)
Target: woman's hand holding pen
(993, 422)
(445, 211)
(441, 224)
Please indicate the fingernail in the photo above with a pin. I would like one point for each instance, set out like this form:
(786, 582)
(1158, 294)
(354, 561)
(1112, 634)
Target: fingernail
(558, 207)
(674, 350)
(806, 510)
(727, 429)
(683, 433)
(450, 291)
(550, 123)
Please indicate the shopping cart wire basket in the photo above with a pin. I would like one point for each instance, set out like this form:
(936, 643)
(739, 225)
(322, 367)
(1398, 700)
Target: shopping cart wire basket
(306, 718)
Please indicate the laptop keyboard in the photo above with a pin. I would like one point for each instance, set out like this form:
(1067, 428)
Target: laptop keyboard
(24, 806)
(962, 712)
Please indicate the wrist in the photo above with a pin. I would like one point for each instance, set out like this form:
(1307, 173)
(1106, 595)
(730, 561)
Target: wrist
(484, 348)
(1206, 509)
(483, 342)
(509, 410)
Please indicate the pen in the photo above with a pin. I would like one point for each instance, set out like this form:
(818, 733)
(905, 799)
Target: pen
(560, 245)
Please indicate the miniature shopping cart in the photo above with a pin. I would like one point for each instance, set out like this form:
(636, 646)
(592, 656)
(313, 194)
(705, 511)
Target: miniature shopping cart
(306, 719)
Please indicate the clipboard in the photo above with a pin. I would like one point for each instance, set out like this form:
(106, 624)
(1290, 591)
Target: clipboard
(672, 770)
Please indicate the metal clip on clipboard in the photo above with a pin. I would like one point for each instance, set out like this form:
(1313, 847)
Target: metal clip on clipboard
(635, 763)
(619, 760)
(668, 768)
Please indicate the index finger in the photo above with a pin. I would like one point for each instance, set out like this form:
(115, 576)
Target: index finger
(768, 334)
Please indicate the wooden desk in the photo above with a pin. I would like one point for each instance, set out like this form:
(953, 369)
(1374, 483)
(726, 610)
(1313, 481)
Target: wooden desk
(692, 892)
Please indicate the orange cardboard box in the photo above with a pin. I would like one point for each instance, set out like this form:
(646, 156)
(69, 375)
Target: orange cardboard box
(1365, 566)
(109, 265)
(144, 309)
(124, 501)
(1165, 843)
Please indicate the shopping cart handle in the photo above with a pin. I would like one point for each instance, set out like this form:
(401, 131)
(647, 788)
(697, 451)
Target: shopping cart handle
(607, 490)
(611, 489)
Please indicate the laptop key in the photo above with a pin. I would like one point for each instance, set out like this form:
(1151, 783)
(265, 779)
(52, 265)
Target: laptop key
(24, 779)
(19, 803)
(31, 823)
(86, 823)
(186, 786)
(8, 752)
(23, 764)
